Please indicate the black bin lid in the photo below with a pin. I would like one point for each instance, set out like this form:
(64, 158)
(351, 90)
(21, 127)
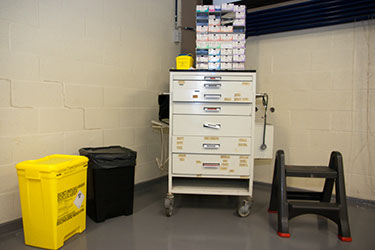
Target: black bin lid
(109, 157)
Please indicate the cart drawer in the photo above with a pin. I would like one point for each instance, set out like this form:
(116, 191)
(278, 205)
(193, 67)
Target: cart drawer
(211, 145)
(202, 91)
(185, 125)
(233, 165)
(215, 77)
(212, 108)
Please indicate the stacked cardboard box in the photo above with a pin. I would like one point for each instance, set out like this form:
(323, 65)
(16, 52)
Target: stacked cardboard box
(220, 40)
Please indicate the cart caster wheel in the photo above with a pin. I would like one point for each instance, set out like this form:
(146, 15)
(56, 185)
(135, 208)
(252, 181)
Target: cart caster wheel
(169, 211)
(245, 209)
(168, 204)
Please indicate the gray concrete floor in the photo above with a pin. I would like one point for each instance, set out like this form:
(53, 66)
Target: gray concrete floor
(210, 222)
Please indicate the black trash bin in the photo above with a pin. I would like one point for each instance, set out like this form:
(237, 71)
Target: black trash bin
(110, 181)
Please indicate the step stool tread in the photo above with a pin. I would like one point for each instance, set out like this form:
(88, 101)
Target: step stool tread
(310, 171)
(314, 205)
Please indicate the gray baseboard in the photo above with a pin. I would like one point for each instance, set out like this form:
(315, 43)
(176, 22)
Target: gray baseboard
(10, 226)
(146, 184)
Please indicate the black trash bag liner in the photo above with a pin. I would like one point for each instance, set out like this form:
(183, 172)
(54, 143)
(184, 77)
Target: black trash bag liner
(163, 101)
(109, 157)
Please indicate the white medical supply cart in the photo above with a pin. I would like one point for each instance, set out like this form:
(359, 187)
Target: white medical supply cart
(212, 120)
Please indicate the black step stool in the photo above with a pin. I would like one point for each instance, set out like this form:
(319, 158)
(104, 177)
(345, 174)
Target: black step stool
(281, 198)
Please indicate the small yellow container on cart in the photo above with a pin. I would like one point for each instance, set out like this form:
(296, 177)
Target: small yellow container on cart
(53, 199)
(184, 61)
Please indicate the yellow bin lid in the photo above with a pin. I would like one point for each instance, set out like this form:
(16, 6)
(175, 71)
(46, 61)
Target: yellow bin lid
(52, 163)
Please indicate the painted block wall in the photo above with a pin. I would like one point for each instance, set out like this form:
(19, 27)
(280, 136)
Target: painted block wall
(321, 82)
(80, 73)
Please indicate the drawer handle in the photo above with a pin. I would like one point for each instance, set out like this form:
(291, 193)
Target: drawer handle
(211, 145)
(211, 165)
(212, 109)
(212, 96)
(213, 126)
(212, 85)
(212, 78)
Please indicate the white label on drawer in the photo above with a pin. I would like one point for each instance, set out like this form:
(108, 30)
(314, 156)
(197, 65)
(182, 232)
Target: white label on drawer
(228, 29)
(214, 59)
(203, 59)
(239, 8)
(215, 29)
(226, 52)
(240, 66)
(240, 14)
(238, 51)
(202, 28)
(227, 45)
(226, 37)
(226, 65)
(202, 45)
(214, 52)
(238, 58)
(214, 45)
(239, 22)
(213, 65)
(239, 44)
(215, 22)
(226, 59)
(227, 6)
(202, 37)
(238, 37)
(202, 65)
(214, 37)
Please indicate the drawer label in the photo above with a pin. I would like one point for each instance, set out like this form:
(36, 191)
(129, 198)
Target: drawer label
(181, 82)
(244, 157)
(180, 142)
(199, 162)
(231, 170)
(243, 165)
(224, 156)
(242, 144)
(195, 96)
(181, 155)
(223, 168)
(244, 177)
(225, 164)
(242, 140)
(237, 94)
(225, 160)
(180, 147)
(245, 83)
(245, 99)
(211, 138)
(243, 161)
(180, 138)
(227, 99)
(182, 159)
(237, 99)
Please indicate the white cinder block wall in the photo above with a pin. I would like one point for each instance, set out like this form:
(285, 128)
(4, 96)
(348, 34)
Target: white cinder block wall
(322, 83)
(78, 73)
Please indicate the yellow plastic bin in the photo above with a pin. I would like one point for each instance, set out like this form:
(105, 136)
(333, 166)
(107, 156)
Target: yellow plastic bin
(53, 199)
(184, 61)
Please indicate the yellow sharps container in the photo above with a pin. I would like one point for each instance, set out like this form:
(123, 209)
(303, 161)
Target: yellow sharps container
(53, 199)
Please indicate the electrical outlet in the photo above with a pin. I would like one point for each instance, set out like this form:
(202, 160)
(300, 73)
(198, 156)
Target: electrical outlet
(177, 36)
